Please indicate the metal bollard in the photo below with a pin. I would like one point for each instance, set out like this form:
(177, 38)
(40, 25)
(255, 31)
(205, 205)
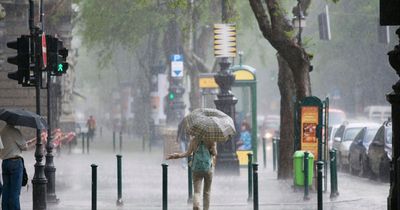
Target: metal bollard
(69, 147)
(143, 143)
(250, 176)
(164, 186)
(119, 180)
(320, 174)
(190, 181)
(94, 186)
(305, 164)
(87, 143)
(264, 152)
(274, 153)
(120, 141)
(83, 143)
(114, 141)
(255, 186)
(334, 184)
(277, 152)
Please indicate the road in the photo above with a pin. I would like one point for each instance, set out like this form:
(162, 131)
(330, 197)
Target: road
(142, 181)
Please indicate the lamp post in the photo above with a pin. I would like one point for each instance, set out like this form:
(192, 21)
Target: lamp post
(227, 160)
(300, 21)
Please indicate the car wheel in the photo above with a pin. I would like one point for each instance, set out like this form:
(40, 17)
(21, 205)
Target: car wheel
(351, 169)
(362, 171)
(384, 169)
(339, 162)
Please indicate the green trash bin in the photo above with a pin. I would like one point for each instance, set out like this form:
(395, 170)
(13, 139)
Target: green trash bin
(298, 168)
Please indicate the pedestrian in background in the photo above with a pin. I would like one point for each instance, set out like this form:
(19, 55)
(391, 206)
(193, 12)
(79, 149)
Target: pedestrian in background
(91, 125)
(244, 142)
(205, 151)
(12, 166)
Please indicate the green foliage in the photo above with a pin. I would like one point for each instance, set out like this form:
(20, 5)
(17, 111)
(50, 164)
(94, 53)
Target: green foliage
(353, 63)
(124, 23)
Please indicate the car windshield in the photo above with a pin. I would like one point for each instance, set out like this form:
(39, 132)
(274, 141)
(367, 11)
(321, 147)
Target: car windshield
(351, 133)
(370, 134)
(389, 136)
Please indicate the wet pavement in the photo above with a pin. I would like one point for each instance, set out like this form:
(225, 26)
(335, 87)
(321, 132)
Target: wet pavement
(142, 183)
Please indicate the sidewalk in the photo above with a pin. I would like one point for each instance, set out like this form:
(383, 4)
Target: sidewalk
(142, 184)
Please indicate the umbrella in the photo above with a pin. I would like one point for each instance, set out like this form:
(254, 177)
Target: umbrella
(22, 118)
(209, 125)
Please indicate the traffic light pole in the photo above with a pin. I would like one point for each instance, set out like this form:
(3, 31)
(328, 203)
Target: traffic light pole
(49, 170)
(176, 105)
(39, 180)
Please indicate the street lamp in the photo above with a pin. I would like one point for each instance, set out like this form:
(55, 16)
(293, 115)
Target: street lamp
(299, 20)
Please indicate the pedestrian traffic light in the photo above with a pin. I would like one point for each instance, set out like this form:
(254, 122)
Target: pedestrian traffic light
(21, 59)
(57, 56)
(62, 65)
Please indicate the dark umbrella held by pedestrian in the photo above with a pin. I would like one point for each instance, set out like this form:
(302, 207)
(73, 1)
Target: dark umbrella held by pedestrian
(20, 117)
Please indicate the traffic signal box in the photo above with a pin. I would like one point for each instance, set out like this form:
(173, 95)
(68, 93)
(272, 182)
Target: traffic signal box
(22, 45)
(56, 56)
(175, 92)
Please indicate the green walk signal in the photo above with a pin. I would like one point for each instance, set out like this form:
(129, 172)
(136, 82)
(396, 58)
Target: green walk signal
(171, 96)
(60, 68)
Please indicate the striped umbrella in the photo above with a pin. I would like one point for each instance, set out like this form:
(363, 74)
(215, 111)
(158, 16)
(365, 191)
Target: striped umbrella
(209, 125)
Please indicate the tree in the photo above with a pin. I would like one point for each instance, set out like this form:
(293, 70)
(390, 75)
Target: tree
(277, 29)
(107, 27)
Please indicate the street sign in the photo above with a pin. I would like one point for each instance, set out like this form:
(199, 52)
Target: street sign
(225, 40)
(177, 65)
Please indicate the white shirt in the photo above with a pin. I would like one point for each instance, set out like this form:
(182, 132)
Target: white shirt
(13, 142)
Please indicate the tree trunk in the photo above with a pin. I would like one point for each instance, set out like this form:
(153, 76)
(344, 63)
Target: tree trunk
(287, 90)
(294, 65)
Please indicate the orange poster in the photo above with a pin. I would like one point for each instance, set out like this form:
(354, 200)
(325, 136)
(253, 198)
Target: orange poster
(309, 123)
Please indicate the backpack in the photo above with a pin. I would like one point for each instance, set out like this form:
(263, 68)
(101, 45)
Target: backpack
(201, 159)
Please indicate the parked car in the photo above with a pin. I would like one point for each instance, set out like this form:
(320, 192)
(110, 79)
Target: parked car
(344, 136)
(336, 117)
(358, 158)
(331, 134)
(378, 113)
(380, 152)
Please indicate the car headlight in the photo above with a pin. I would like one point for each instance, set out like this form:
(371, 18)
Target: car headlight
(268, 135)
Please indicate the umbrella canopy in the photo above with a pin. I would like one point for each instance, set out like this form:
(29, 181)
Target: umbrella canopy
(22, 118)
(209, 125)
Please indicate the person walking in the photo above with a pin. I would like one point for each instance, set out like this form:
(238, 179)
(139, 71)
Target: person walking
(91, 125)
(203, 163)
(205, 127)
(12, 166)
